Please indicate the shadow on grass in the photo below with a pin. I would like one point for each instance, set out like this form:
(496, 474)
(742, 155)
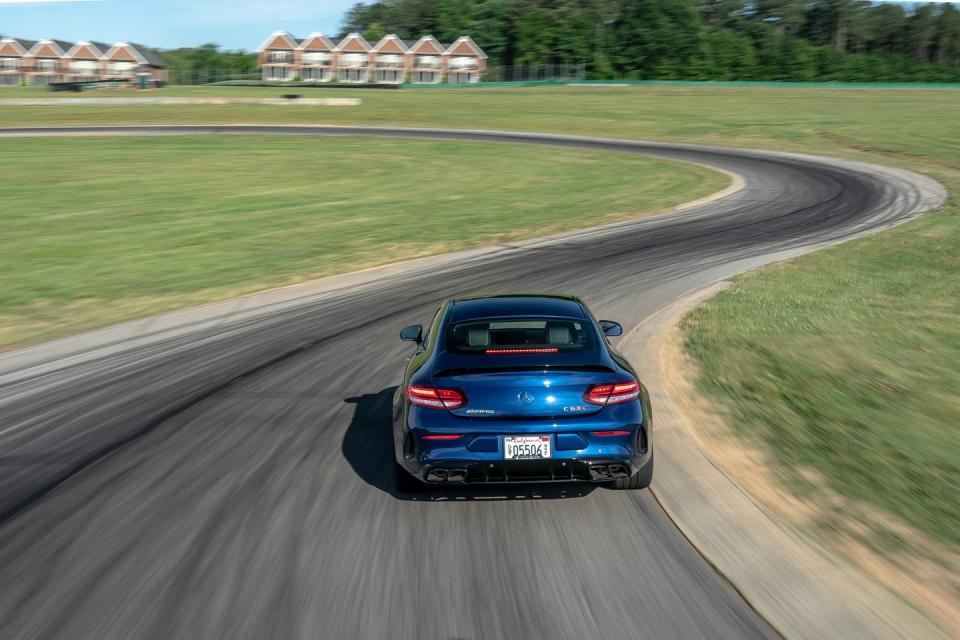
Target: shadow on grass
(368, 448)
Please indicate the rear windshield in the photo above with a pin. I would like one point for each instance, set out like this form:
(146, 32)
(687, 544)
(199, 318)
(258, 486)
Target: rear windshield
(520, 336)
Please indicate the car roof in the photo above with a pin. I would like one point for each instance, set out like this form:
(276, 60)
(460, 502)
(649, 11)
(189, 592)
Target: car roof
(516, 306)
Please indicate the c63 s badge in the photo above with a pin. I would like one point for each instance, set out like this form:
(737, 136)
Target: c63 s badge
(575, 408)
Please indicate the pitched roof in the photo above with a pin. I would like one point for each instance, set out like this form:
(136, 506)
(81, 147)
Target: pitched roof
(353, 36)
(24, 43)
(327, 43)
(290, 38)
(122, 45)
(150, 55)
(390, 38)
(97, 51)
(426, 39)
(468, 41)
(40, 44)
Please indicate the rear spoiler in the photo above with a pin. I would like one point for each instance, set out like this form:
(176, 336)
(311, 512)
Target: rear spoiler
(462, 371)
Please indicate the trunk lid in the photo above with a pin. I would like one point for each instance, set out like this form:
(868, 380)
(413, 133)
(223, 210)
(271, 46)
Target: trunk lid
(525, 392)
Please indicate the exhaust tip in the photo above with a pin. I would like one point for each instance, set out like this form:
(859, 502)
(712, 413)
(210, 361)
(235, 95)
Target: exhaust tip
(618, 471)
(457, 475)
(599, 472)
(437, 475)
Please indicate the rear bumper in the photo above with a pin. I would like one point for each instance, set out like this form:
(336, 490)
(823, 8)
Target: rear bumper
(601, 459)
(596, 470)
(439, 449)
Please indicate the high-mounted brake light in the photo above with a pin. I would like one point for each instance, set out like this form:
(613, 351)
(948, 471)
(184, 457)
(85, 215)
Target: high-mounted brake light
(500, 352)
(436, 398)
(604, 394)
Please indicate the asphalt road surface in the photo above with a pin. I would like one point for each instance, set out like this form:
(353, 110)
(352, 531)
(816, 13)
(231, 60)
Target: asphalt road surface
(234, 481)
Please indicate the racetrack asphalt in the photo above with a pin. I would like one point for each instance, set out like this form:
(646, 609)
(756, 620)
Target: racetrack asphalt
(234, 480)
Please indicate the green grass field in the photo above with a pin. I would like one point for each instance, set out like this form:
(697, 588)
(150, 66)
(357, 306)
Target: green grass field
(919, 122)
(843, 362)
(97, 230)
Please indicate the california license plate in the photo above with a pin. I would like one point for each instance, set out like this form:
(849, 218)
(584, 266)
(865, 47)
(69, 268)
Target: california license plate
(526, 447)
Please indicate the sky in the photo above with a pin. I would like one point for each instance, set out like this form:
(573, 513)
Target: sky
(167, 24)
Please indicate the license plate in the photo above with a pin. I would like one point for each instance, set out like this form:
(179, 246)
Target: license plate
(526, 447)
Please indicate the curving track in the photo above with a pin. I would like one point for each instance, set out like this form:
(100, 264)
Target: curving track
(231, 478)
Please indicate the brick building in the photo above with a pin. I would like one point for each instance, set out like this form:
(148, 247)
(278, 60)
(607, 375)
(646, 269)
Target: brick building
(285, 58)
(41, 62)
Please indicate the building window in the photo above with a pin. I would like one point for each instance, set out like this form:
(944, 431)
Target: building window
(463, 62)
(392, 76)
(45, 65)
(280, 56)
(430, 77)
(9, 64)
(428, 61)
(463, 77)
(121, 69)
(353, 60)
(87, 67)
(277, 73)
(316, 58)
(390, 60)
(353, 75)
(316, 75)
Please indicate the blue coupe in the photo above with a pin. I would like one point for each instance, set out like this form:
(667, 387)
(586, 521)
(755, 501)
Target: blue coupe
(519, 388)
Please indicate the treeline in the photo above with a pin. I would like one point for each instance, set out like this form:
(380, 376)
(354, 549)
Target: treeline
(197, 61)
(794, 40)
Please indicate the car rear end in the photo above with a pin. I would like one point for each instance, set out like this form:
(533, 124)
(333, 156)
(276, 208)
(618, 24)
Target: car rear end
(525, 400)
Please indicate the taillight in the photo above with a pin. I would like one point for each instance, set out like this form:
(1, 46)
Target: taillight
(604, 394)
(436, 398)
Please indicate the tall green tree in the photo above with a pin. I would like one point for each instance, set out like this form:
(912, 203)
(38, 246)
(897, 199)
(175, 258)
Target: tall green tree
(922, 31)
(374, 32)
(700, 39)
(786, 16)
(655, 38)
(948, 36)
(205, 63)
(493, 27)
(535, 37)
(454, 18)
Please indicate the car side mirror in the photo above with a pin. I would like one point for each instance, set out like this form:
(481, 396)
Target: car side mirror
(610, 328)
(413, 333)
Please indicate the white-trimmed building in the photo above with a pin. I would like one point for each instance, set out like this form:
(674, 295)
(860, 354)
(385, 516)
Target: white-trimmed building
(285, 58)
(42, 62)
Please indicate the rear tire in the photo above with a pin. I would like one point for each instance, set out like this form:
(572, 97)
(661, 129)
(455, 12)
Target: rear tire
(403, 482)
(640, 480)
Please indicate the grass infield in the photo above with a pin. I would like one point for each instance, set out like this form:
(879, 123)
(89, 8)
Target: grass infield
(97, 230)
